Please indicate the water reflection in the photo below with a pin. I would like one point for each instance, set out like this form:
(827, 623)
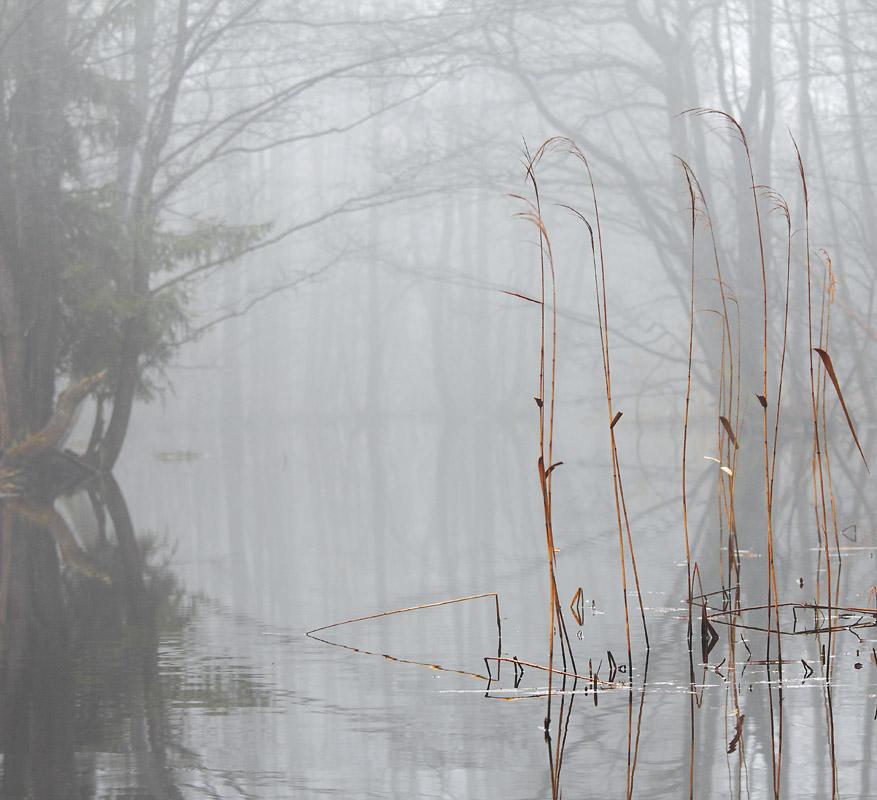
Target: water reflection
(175, 664)
(83, 708)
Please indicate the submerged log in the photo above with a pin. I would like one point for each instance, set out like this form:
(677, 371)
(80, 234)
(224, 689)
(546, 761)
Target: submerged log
(35, 461)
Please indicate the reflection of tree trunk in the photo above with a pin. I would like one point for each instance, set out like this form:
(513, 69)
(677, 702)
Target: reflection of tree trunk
(37, 699)
(129, 550)
(143, 615)
(41, 708)
(44, 515)
(11, 354)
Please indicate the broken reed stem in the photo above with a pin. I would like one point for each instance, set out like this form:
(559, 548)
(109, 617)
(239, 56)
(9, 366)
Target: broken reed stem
(592, 680)
(494, 595)
(312, 634)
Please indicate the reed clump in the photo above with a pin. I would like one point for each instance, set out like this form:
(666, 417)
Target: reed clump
(731, 403)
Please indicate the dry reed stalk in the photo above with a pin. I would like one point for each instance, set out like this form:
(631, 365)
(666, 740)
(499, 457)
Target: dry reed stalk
(832, 587)
(773, 596)
(770, 472)
(689, 176)
(816, 458)
(729, 381)
(726, 438)
(734, 389)
(546, 399)
(599, 270)
(781, 206)
(866, 618)
(768, 457)
(832, 592)
(825, 465)
(817, 402)
(547, 384)
(729, 406)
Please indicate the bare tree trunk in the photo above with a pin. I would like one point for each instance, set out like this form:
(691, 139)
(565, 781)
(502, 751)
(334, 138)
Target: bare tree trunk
(32, 163)
(123, 396)
(139, 213)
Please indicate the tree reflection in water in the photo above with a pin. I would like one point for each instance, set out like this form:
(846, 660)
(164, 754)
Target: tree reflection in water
(79, 650)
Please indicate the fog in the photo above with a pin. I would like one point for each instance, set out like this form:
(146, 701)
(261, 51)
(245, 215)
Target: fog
(318, 260)
(408, 233)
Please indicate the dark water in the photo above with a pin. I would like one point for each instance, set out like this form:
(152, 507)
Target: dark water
(190, 674)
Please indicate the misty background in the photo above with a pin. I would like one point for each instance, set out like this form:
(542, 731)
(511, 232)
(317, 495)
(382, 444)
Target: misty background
(300, 231)
(392, 186)
(388, 185)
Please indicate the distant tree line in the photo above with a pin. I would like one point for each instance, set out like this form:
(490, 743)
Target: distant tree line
(121, 120)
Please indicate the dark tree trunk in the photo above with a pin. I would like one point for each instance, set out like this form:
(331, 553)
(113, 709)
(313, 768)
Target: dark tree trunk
(33, 162)
(123, 397)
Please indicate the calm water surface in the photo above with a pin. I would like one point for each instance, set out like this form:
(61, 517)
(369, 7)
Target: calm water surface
(190, 674)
